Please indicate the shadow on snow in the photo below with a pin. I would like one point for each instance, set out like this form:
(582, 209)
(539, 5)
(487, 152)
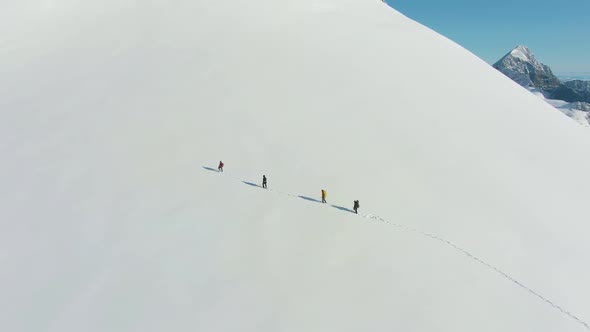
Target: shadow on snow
(310, 199)
(342, 208)
(251, 184)
(211, 169)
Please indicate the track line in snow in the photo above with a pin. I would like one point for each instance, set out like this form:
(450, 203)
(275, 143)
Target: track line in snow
(433, 237)
(486, 264)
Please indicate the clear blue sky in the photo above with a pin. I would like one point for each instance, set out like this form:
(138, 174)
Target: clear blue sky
(557, 31)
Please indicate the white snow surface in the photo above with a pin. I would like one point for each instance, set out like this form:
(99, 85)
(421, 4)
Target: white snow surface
(473, 216)
(576, 111)
(523, 53)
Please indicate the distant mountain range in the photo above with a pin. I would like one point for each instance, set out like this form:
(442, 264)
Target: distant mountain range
(565, 78)
(521, 66)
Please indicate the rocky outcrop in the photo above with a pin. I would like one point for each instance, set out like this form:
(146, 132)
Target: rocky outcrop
(521, 66)
(580, 88)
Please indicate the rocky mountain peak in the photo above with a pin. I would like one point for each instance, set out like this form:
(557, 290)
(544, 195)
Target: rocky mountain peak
(521, 65)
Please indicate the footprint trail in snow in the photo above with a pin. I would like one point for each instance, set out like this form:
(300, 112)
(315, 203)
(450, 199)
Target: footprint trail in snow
(432, 237)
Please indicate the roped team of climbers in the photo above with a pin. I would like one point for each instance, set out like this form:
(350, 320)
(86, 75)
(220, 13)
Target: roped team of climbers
(324, 191)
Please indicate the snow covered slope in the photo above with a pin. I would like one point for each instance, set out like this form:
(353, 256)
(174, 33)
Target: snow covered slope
(578, 111)
(113, 113)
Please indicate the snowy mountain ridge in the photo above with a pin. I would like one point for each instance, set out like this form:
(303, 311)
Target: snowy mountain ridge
(523, 53)
(521, 65)
(113, 217)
